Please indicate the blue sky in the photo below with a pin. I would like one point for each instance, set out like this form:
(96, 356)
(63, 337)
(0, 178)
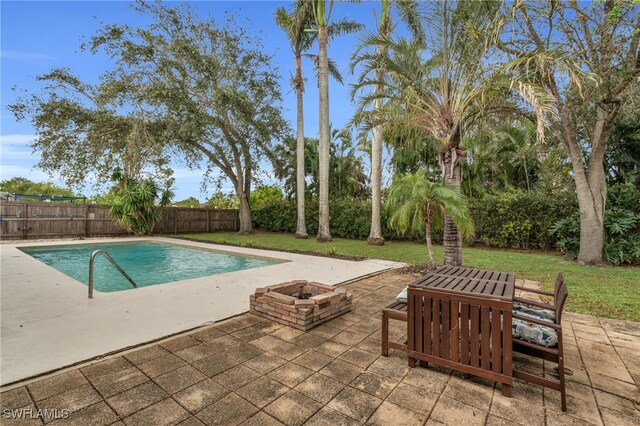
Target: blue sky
(39, 36)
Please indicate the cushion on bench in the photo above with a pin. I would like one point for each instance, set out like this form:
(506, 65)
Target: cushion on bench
(534, 333)
(536, 313)
(402, 296)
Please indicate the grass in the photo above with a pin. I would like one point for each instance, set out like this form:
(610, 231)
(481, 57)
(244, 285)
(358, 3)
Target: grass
(606, 292)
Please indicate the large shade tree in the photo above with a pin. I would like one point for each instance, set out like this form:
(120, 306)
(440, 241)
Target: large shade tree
(85, 132)
(213, 85)
(603, 37)
(205, 91)
(451, 83)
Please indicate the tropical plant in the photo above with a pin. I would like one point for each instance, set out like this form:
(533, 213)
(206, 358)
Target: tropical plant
(408, 13)
(603, 39)
(622, 228)
(136, 204)
(448, 85)
(294, 25)
(414, 203)
(265, 194)
(348, 177)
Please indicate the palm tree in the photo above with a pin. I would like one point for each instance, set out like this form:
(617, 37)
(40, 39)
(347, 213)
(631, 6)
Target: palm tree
(408, 13)
(416, 202)
(321, 17)
(294, 25)
(451, 83)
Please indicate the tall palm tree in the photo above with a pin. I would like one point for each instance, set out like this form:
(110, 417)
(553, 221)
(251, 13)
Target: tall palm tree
(294, 25)
(408, 12)
(322, 15)
(451, 83)
(415, 203)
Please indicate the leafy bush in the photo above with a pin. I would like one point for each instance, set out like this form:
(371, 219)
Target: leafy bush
(521, 219)
(136, 204)
(350, 218)
(621, 226)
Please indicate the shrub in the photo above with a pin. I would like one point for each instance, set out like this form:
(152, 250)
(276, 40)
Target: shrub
(349, 218)
(521, 219)
(621, 226)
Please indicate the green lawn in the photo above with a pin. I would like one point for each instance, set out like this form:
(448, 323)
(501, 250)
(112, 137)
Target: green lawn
(607, 292)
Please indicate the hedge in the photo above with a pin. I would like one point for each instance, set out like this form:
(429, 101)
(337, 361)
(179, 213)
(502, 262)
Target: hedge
(521, 219)
(513, 219)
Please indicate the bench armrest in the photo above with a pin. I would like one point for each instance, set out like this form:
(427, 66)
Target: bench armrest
(533, 290)
(534, 303)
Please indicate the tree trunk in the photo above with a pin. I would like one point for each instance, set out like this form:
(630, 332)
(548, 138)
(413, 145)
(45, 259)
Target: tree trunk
(324, 234)
(301, 230)
(245, 215)
(375, 236)
(427, 233)
(243, 190)
(591, 186)
(452, 239)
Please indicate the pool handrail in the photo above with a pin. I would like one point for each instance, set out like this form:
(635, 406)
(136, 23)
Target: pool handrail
(113, 262)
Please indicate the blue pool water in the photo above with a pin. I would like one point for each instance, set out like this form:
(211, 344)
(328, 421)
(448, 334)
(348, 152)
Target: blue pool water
(148, 263)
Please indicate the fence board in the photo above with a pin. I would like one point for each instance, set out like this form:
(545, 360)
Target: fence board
(29, 220)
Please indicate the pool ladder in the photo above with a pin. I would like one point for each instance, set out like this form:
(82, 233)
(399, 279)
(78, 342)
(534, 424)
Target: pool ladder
(113, 262)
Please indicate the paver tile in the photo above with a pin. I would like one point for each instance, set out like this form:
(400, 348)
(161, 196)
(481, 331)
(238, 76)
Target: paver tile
(341, 371)
(165, 412)
(179, 379)
(355, 404)
(114, 383)
(290, 374)
(229, 411)
(389, 413)
(204, 393)
(128, 402)
(56, 384)
(236, 377)
(293, 408)
(262, 391)
(320, 388)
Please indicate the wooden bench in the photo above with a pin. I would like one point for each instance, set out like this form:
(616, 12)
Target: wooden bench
(396, 311)
(553, 354)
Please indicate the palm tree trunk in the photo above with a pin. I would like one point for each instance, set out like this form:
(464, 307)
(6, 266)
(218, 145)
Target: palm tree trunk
(427, 233)
(324, 234)
(301, 230)
(375, 236)
(452, 239)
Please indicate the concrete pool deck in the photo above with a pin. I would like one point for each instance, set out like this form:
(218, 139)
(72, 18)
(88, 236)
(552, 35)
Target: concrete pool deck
(48, 322)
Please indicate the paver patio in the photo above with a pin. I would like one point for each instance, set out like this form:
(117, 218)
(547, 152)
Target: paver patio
(247, 370)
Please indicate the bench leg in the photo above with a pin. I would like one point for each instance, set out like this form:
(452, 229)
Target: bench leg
(507, 390)
(563, 393)
(412, 362)
(385, 334)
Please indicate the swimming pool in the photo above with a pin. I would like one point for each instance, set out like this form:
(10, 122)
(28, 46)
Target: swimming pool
(148, 263)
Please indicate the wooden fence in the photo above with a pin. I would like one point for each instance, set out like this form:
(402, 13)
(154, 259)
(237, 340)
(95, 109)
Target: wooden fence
(28, 220)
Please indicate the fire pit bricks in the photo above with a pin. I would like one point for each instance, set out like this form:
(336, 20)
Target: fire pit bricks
(300, 304)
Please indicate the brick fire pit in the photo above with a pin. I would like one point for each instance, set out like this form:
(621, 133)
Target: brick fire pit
(300, 304)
